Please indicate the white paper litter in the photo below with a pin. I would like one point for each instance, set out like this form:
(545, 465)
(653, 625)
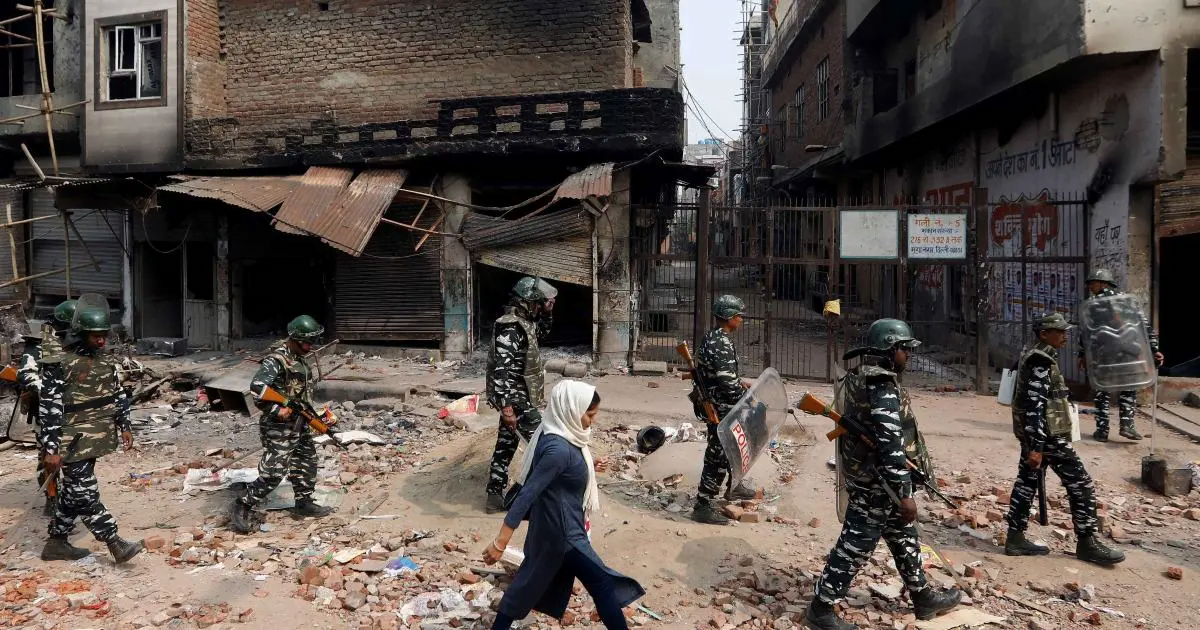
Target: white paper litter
(352, 437)
(205, 479)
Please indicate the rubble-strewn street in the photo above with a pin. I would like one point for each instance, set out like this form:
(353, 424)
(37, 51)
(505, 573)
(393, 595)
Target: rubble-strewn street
(403, 549)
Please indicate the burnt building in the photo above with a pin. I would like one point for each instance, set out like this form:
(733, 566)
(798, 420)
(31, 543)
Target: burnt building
(389, 166)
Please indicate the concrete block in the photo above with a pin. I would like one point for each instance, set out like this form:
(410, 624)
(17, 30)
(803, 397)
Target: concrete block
(576, 370)
(649, 368)
(165, 346)
(556, 366)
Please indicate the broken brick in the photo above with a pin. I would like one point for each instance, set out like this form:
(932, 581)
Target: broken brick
(1175, 573)
(732, 511)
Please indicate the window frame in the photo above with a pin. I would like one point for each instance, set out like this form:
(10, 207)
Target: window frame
(823, 89)
(798, 105)
(101, 74)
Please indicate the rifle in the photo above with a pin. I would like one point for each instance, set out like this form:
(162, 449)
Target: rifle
(703, 399)
(9, 375)
(845, 426)
(322, 423)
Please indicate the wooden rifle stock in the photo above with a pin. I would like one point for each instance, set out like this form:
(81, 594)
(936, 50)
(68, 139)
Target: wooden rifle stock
(8, 374)
(307, 415)
(812, 405)
(710, 410)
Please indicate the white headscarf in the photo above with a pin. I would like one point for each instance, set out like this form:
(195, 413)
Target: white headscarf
(569, 400)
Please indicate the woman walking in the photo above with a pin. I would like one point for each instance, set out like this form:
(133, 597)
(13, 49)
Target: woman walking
(558, 484)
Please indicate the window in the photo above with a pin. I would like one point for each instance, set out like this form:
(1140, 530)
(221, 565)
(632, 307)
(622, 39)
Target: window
(19, 73)
(823, 89)
(131, 60)
(798, 105)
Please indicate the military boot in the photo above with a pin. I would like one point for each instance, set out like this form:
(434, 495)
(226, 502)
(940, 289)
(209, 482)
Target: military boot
(740, 493)
(1090, 549)
(59, 548)
(241, 520)
(1130, 433)
(124, 550)
(929, 603)
(821, 616)
(1100, 437)
(707, 513)
(495, 503)
(308, 508)
(1018, 545)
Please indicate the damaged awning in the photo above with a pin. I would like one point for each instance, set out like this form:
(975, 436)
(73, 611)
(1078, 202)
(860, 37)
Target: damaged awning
(257, 194)
(592, 185)
(484, 232)
(556, 246)
(341, 211)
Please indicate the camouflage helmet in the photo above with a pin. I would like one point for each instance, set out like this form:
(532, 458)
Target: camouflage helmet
(305, 328)
(65, 311)
(90, 319)
(1052, 321)
(1102, 275)
(885, 334)
(727, 307)
(530, 289)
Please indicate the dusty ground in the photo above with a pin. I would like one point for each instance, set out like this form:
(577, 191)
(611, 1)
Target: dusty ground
(430, 478)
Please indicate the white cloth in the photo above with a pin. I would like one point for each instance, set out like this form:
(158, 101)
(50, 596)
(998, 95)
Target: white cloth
(569, 400)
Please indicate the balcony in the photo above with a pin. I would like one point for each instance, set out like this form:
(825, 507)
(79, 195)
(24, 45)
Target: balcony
(795, 28)
(612, 123)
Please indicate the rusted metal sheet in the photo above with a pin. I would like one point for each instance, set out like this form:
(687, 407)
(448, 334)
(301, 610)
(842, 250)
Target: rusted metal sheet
(1179, 203)
(484, 232)
(593, 181)
(318, 191)
(257, 194)
(567, 260)
(349, 224)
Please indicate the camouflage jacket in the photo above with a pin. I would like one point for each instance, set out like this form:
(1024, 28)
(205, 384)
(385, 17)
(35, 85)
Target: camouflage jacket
(286, 372)
(717, 363)
(1039, 402)
(1150, 331)
(78, 374)
(29, 377)
(881, 405)
(508, 374)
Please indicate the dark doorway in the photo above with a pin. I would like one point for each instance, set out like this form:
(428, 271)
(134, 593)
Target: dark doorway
(275, 290)
(572, 309)
(160, 290)
(1177, 304)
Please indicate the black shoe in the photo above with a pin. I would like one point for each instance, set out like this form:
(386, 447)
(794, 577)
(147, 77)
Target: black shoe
(1131, 433)
(240, 518)
(495, 504)
(1090, 549)
(1100, 437)
(740, 493)
(820, 616)
(1018, 545)
(707, 513)
(930, 603)
(124, 550)
(309, 509)
(60, 549)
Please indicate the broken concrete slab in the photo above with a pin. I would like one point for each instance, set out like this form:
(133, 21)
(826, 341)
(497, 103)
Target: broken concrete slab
(687, 458)
(458, 389)
(960, 618)
(379, 404)
(649, 368)
(576, 370)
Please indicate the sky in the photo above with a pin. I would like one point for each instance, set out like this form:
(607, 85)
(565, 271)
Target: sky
(711, 65)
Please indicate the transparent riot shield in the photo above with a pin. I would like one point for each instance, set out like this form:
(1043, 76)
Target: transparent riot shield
(747, 430)
(841, 490)
(1116, 344)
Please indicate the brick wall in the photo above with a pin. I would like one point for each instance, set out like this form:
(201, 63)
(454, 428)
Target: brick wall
(205, 74)
(288, 62)
(824, 40)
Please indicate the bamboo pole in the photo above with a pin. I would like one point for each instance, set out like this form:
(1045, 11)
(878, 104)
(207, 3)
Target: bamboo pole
(47, 98)
(12, 241)
(82, 242)
(24, 221)
(36, 167)
(67, 245)
(39, 275)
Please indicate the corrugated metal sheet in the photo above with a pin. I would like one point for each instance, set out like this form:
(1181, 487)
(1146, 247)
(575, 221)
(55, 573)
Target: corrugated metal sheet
(484, 232)
(593, 181)
(319, 189)
(102, 230)
(1179, 202)
(390, 293)
(258, 194)
(16, 200)
(568, 260)
(350, 222)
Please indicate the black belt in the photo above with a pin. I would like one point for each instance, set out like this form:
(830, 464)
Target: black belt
(94, 403)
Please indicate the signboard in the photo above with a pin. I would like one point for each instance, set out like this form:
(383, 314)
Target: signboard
(937, 236)
(873, 234)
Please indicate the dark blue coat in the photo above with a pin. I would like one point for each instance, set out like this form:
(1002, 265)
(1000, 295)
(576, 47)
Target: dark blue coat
(552, 496)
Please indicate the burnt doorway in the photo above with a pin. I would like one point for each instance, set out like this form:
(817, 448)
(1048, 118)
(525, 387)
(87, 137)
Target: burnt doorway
(159, 304)
(572, 308)
(1176, 304)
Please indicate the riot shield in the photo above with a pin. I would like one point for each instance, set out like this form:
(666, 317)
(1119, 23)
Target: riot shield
(840, 490)
(1116, 344)
(547, 289)
(747, 430)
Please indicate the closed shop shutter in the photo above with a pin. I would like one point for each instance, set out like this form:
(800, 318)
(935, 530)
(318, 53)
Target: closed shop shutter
(390, 293)
(1179, 202)
(568, 260)
(102, 230)
(12, 198)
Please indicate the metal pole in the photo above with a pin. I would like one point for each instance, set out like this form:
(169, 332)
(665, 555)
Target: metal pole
(703, 229)
(767, 328)
(67, 247)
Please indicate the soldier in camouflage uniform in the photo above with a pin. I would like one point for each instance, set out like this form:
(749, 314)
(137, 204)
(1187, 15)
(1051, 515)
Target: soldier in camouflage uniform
(287, 450)
(1102, 284)
(717, 363)
(878, 481)
(516, 377)
(83, 411)
(1042, 424)
(29, 376)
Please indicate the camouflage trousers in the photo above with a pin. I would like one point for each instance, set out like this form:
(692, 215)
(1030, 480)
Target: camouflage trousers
(286, 452)
(871, 515)
(41, 468)
(1126, 406)
(507, 441)
(79, 497)
(1059, 456)
(716, 466)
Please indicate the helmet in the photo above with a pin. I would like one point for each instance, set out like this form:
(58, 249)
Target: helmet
(64, 312)
(1103, 275)
(727, 307)
(650, 439)
(530, 289)
(885, 334)
(1053, 321)
(305, 328)
(90, 319)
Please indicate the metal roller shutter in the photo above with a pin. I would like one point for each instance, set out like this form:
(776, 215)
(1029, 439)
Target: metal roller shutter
(568, 260)
(101, 230)
(1179, 202)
